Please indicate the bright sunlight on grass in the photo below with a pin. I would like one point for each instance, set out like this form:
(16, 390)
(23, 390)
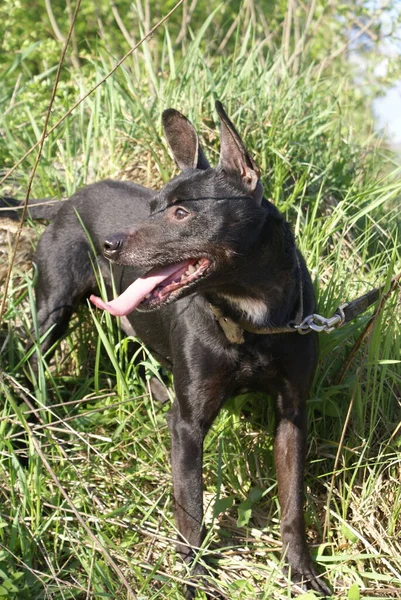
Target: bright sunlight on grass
(84, 454)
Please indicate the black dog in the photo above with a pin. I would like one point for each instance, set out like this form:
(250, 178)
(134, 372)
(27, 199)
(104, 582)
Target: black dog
(214, 272)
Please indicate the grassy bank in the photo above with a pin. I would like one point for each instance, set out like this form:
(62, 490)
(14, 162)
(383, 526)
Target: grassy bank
(96, 458)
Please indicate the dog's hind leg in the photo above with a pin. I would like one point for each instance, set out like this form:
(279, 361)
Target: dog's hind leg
(64, 280)
(53, 319)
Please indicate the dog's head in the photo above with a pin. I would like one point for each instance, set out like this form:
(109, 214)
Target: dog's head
(200, 225)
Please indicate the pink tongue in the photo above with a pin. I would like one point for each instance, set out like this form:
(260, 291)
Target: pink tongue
(136, 292)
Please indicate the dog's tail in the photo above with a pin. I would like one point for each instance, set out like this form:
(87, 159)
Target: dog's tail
(45, 209)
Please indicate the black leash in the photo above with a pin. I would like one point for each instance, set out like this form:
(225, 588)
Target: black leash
(344, 314)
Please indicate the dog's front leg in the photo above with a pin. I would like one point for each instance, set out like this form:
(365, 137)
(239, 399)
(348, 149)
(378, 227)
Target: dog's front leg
(186, 464)
(189, 420)
(289, 452)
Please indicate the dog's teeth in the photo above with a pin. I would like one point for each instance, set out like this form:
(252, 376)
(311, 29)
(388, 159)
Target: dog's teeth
(147, 296)
(191, 269)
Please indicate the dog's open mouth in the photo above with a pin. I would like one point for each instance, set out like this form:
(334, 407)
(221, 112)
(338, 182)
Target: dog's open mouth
(156, 287)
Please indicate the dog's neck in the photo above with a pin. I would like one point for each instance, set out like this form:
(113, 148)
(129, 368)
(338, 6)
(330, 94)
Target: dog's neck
(269, 292)
(271, 305)
(253, 310)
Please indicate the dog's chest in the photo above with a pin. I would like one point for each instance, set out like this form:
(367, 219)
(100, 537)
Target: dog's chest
(254, 367)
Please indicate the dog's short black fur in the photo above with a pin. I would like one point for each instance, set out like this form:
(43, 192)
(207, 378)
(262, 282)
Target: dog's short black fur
(249, 270)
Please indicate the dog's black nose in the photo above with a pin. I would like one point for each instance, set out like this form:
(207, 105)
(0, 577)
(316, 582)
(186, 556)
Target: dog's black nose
(112, 245)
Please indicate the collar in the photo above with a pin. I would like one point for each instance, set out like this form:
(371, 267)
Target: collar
(234, 331)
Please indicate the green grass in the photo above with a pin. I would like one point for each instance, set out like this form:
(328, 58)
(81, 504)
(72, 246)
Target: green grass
(102, 435)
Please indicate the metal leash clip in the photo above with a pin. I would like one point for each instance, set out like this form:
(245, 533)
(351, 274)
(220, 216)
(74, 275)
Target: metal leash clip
(318, 323)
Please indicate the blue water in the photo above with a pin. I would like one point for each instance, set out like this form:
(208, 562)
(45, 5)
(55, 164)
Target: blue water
(387, 107)
(387, 113)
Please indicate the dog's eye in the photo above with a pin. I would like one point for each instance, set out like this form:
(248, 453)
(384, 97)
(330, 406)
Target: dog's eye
(180, 213)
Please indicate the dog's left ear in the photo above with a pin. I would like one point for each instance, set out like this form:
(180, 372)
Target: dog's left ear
(234, 157)
(183, 141)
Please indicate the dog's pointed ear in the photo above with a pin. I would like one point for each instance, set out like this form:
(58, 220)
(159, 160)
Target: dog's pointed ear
(183, 141)
(234, 157)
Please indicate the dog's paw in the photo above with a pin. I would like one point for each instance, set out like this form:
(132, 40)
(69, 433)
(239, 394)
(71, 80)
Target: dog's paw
(190, 593)
(199, 576)
(210, 595)
(304, 573)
